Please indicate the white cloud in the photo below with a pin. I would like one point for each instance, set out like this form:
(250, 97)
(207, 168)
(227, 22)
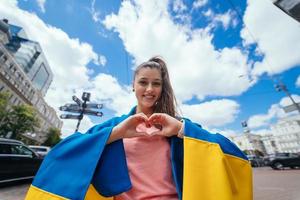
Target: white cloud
(181, 15)
(208, 13)
(298, 82)
(274, 112)
(179, 6)
(41, 4)
(212, 113)
(191, 57)
(277, 35)
(262, 120)
(199, 3)
(225, 19)
(116, 97)
(101, 60)
(70, 125)
(226, 132)
(66, 56)
(95, 14)
(286, 101)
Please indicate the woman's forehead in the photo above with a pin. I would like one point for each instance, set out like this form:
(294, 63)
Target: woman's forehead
(149, 73)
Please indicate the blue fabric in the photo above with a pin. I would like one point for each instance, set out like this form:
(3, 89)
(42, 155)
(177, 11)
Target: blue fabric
(82, 159)
(177, 163)
(111, 176)
(69, 167)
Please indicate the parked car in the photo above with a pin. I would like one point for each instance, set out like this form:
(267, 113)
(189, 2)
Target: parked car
(42, 150)
(282, 160)
(255, 161)
(17, 161)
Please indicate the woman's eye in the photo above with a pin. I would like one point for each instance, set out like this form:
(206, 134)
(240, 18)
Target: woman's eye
(156, 83)
(143, 83)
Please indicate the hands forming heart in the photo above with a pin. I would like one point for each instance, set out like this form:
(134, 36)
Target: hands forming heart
(140, 125)
(150, 130)
(157, 124)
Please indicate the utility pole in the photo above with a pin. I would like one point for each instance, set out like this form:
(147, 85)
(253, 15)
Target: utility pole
(281, 87)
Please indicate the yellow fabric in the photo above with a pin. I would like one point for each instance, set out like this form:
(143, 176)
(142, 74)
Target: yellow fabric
(92, 194)
(212, 175)
(35, 193)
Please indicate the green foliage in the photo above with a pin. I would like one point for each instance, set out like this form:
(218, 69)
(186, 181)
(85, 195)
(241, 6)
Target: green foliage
(4, 116)
(53, 137)
(16, 119)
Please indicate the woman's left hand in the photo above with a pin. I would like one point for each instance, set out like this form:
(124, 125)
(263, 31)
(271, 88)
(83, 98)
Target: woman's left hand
(170, 125)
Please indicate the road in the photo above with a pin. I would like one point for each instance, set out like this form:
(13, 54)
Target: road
(268, 185)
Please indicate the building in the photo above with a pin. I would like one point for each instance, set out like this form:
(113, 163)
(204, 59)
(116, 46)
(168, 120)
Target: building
(269, 143)
(290, 7)
(286, 134)
(29, 55)
(284, 137)
(249, 142)
(26, 74)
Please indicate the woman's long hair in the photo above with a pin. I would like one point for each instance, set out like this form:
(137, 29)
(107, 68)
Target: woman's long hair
(167, 101)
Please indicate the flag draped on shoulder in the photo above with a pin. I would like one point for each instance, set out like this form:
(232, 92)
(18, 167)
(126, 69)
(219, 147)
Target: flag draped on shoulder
(82, 167)
(214, 167)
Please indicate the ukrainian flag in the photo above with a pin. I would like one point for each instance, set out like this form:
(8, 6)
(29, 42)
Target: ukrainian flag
(79, 166)
(82, 167)
(214, 167)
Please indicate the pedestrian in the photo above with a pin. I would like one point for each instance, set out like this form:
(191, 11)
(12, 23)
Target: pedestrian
(150, 153)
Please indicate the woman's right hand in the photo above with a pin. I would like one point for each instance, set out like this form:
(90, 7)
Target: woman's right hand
(127, 128)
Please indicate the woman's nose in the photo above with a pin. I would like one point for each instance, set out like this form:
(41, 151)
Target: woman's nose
(149, 87)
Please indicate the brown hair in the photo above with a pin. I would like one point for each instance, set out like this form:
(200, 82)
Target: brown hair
(167, 101)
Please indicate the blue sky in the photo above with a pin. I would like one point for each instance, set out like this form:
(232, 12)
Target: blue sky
(223, 56)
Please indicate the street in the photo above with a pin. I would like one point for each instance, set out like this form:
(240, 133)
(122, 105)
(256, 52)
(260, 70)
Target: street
(268, 185)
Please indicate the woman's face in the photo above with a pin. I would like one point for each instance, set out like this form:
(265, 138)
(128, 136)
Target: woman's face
(148, 87)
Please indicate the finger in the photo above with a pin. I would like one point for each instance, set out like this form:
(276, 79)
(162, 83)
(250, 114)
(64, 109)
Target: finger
(140, 134)
(155, 118)
(141, 117)
(161, 133)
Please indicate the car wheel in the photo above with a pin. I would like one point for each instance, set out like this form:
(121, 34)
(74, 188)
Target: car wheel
(278, 165)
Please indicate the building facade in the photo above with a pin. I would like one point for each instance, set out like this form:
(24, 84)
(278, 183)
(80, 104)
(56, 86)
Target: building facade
(26, 75)
(249, 142)
(286, 134)
(284, 137)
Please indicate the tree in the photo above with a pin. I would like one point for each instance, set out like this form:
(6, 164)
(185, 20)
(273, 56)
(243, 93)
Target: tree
(23, 118)
(53, 137)
(16, 119)
(4, 113)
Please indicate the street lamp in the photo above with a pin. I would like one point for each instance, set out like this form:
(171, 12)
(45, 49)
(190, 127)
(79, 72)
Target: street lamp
(295, 106)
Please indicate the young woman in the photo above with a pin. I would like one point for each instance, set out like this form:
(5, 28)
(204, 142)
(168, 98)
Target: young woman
(150, 153)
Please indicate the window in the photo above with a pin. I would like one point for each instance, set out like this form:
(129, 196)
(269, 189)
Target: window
(41, 76)
(5, 149)
(21, 150)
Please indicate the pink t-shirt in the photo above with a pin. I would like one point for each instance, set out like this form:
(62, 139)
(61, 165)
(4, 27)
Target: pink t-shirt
(149, 165)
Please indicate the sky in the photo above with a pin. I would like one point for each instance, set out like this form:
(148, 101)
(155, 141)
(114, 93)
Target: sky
(224, 57)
